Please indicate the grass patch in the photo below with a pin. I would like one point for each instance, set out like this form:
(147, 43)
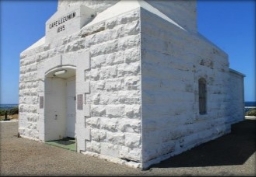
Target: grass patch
(66, 143)
(251, 112)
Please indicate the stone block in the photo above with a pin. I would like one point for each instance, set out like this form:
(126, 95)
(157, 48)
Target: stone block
(111, 23)
(123, 152)
(129, 97)
(134, 154)
(93, 146)
(108, 72)
(109, 149)
(93, 122)
(96, 98)
(98, 61)
(132, 55)
(94, 73)
(129, 125)
(98, 110)
(128, 69)
(98, 135)
(133, 111)
(116, 138)
(99, 85)
(132, 83)
(108, 124)
(132, 28)
(105, 48)
(114, 84)
(128, 42)
(133, 140)
(115, 111)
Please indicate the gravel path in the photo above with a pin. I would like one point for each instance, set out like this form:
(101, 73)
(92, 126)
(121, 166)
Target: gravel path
(232, 154)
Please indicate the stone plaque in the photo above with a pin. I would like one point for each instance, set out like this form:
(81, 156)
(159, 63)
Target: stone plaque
(41, 102)
(64, 23)
(80, 102)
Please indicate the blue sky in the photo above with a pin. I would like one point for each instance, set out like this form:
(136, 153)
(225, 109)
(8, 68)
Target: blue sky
(230, 24)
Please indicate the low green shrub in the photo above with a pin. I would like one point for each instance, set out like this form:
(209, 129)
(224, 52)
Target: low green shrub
(251, 112)
(14, 110)
(2, 112)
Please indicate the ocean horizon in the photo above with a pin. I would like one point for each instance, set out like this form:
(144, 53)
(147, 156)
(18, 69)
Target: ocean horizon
(250, 103)
(9, 106)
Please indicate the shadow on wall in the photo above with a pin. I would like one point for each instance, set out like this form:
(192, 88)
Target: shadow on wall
(231, 149)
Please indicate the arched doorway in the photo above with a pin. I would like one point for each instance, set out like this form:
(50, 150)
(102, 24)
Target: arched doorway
(60, 103)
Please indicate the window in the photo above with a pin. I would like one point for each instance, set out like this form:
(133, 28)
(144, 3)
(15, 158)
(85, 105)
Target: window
(202, 96)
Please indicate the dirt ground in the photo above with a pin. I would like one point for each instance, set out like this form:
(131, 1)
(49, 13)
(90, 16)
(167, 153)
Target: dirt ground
(15, 116)
(233, 154)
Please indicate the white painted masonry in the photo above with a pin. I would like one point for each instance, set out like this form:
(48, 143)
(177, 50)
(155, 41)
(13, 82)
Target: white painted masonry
(129, 93)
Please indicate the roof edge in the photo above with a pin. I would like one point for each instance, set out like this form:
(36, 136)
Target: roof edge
(38, 43)
(236, 72)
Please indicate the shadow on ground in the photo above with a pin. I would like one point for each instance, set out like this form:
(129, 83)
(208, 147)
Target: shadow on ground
(231, 149)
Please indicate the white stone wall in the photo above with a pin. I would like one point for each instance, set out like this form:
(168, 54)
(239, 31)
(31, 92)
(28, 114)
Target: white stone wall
(98, 5)
(236, 96)
(28, 97)
(115, 96)
(182, 12)
(114, 76)
(172, 63)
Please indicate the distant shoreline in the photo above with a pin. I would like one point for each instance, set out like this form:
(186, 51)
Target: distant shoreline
(9, 106)
(250, 103)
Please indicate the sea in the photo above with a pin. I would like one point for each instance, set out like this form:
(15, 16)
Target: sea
(250, 104)
(9, 106)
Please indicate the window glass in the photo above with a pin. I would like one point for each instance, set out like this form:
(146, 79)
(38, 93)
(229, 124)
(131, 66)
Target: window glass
(202, 96)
